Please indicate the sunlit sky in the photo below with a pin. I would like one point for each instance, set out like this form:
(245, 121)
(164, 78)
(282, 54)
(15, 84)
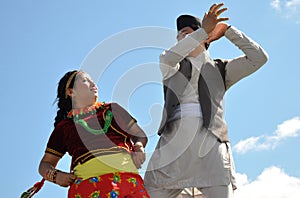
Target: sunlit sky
(118, 43)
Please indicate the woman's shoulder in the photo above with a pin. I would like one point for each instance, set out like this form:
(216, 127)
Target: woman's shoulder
(64, 123)
(116, 109)
(112, 106)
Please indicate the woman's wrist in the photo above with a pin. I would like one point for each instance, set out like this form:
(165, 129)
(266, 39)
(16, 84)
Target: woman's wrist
(51, 175)
(138, 146)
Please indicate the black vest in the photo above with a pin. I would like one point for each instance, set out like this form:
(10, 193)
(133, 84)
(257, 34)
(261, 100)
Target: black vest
(211, 89)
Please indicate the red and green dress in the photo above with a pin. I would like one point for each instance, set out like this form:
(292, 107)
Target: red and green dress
(100, 146)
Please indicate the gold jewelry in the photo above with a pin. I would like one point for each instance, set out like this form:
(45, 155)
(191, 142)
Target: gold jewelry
(51, 175)
(69, 82)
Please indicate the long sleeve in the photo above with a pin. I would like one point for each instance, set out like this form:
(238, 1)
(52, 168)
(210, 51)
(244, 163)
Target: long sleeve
(254, 57)
(169, 59)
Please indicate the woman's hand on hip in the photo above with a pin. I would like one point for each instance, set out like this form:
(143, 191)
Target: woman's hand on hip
(65, 179)
(139, 155)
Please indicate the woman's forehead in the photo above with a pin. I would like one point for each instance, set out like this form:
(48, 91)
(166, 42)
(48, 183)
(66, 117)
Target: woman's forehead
(83, 75)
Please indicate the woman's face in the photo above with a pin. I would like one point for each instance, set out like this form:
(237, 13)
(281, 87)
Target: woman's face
(85, 91)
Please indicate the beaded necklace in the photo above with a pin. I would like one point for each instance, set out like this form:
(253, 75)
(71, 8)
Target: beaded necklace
(78, 116)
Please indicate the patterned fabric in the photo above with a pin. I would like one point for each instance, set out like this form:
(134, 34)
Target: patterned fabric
(101, 165)
(117, 185)
(83, 145)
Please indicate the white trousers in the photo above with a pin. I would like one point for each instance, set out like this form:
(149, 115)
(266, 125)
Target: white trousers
(188, 155)
(208, 192)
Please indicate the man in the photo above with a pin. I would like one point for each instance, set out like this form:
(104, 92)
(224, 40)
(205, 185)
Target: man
(193, 149)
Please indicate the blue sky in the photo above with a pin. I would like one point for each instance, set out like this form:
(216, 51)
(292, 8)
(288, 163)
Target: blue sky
(119, 42)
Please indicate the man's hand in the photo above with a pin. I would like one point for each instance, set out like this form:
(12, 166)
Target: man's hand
(210, 19)
(217, 33)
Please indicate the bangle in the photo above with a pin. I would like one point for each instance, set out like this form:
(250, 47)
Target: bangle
(51, 175)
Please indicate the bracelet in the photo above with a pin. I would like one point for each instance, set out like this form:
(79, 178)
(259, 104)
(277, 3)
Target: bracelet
(51, 175)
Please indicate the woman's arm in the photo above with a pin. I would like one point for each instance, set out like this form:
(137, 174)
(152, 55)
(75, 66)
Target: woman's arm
(48, 171)
(140, 140)
(139, 136)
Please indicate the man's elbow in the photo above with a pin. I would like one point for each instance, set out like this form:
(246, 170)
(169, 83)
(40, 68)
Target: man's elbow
(264, 57)
(260, 59)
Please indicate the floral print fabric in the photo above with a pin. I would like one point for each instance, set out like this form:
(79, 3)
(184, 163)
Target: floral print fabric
(113, 185)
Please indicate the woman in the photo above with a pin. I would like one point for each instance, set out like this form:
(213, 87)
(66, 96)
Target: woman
(105, 142)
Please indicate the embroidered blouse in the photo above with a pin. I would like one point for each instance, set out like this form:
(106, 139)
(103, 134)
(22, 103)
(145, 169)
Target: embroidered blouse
(82, 145)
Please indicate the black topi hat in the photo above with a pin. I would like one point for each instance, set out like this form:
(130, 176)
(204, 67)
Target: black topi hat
(188, 20)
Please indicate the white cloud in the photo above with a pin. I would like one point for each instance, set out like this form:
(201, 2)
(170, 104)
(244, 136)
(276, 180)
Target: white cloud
(273, 182)
(292, 3)
(288, 129)
(245, 145)
(276, 4)
(284, 4)
(289, 9)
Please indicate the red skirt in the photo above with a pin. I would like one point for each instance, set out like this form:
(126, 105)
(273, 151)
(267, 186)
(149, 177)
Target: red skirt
(113, 185)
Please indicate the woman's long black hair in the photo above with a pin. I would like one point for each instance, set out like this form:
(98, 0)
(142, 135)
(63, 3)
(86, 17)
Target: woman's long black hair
(64, 103)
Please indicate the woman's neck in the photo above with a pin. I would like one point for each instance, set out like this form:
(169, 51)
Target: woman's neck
(87, 110)
(83, 105)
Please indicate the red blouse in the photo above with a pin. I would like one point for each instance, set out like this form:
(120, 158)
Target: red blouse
(83, 145)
